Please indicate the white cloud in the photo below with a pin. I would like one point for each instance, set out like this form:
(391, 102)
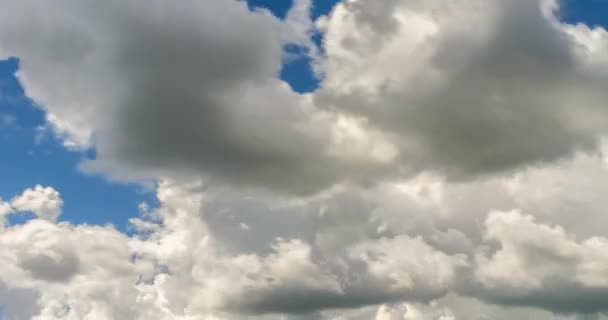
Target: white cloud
(289, 275)
(404, 263)
(74, 272)
(470, 88)
(349, 249)
(403, 210)
(180, 269)
(538, 264)
(44, 202)
(179, 90)
(5, 210)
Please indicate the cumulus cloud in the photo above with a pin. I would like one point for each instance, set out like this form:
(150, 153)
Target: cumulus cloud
(44, 202)
(177, 268)
(73, 272)
(468, 89)
(381, 225)
(178, 89)
(329, 257)
(457, 307)
(296, 276)
(542, 265)
(448, 167)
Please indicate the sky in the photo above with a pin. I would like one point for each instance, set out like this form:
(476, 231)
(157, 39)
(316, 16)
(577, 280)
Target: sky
(303, 160)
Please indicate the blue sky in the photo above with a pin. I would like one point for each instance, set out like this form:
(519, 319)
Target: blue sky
(31, 155)
(590, 12)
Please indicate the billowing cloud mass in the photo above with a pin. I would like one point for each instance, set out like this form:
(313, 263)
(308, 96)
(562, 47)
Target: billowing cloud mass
(180, 88)
(558, 267)
(470, 88)
(449, 166)
(422, 249)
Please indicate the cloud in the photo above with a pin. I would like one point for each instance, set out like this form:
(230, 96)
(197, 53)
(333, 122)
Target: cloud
(415, 247)
(44, 202)
(380, 227)
(72, 272)
(542, 265)
(448, 167)
(293, 275)
(179, 269)
(457, 307)
(470, 89)
(180, 90)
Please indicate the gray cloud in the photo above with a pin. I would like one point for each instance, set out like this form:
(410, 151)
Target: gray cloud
(419, 99)
(466, 90)
(181, 90)
(542, 266)
(175, 89)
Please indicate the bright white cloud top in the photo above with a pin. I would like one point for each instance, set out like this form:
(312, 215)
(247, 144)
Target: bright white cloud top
(448, 167)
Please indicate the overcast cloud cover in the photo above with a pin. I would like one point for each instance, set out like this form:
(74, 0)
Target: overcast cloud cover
(449, 166)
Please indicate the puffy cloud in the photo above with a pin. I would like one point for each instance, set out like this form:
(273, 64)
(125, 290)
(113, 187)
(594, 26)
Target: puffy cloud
(333, 256)
(448, 308)
(44, 202)
(351, 248)
(418, 97)
(455, 307)
(380, 226)
(178, 89)
(470, 88)
(421, 268)
(542, 265)
(175, 267)
(290, 275)
(73, 272)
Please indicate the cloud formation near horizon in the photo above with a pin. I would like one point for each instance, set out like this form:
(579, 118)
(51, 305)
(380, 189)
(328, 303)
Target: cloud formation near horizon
(449, 166)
